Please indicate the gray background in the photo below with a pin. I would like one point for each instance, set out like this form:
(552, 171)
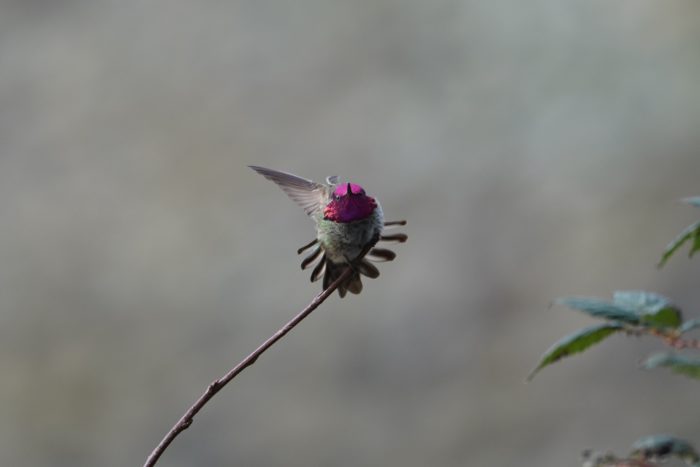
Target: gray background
(537, 149)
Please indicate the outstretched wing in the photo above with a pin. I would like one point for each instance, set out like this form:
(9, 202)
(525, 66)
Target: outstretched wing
(307, 194)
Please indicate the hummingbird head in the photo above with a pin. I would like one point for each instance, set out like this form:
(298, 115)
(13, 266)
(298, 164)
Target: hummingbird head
(349, 203)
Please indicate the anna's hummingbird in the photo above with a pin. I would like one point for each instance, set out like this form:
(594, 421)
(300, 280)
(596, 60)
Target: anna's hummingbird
(348, 226)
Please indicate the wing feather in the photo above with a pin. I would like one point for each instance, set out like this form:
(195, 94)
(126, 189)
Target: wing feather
(306, 193)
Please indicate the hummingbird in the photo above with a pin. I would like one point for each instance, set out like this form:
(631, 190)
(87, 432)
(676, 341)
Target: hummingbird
(349, 223)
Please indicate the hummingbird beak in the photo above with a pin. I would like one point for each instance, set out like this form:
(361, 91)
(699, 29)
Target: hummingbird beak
(349, 189)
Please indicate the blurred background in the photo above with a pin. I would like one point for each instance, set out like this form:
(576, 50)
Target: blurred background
(536, 148)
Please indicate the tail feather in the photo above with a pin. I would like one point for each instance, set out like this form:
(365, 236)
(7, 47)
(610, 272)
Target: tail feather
(367, 268)
(330, 275)
(394, 223)
(398, 237)
(361, 265)
(381, 254)
(318, 270)
(332, 271)
(352, 284)
(307, 246)
(311, 258)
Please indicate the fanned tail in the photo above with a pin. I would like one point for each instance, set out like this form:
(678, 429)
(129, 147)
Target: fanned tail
(331, 271)
(352, 283)
(361, 266)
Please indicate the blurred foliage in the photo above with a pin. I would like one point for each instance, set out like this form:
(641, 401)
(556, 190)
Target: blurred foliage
(575, 343)
(638, 313)
(678, 363)
(634, 312)
(661, 447)
(689, 234)
(630, 307)
(646, 452)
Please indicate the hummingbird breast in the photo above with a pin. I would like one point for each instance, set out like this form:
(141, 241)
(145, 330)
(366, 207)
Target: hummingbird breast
(344, 241)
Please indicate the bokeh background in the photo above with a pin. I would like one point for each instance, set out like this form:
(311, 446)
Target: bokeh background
(536, 148)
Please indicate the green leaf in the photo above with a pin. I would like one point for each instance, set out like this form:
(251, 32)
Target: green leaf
(690, 232)
(635, 307)
(661, 447)
(668, 317)
(640, 299)
(678, 363)
(693, 201)
(696, 244)
(653, 310)
(575, 343)
(601, 309)
(689, 325)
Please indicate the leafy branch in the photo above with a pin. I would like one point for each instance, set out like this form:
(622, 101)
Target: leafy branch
(639, 313)
(633, 313)
(646, 452)
(636, 313)
(187, 419)
(689, 234)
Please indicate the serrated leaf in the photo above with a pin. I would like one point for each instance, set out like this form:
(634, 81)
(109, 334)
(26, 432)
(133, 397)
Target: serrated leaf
(690, 232)
(653, 310)
(601, 309)
(661, 447)
(689, 325)
(678, 363)
(575, 343)
(693, 201)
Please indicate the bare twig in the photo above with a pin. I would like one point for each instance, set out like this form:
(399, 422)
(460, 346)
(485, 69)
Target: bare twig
(678, 343)
(216, 386)
(673, 339)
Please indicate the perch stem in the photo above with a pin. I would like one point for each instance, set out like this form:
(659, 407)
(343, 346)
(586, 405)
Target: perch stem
(187, 419)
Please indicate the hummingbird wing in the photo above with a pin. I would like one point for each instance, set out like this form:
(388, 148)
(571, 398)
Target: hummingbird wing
(306, 193)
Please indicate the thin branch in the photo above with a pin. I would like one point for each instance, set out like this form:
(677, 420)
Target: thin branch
(673, 339)
(684, 343)
(216, 386)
